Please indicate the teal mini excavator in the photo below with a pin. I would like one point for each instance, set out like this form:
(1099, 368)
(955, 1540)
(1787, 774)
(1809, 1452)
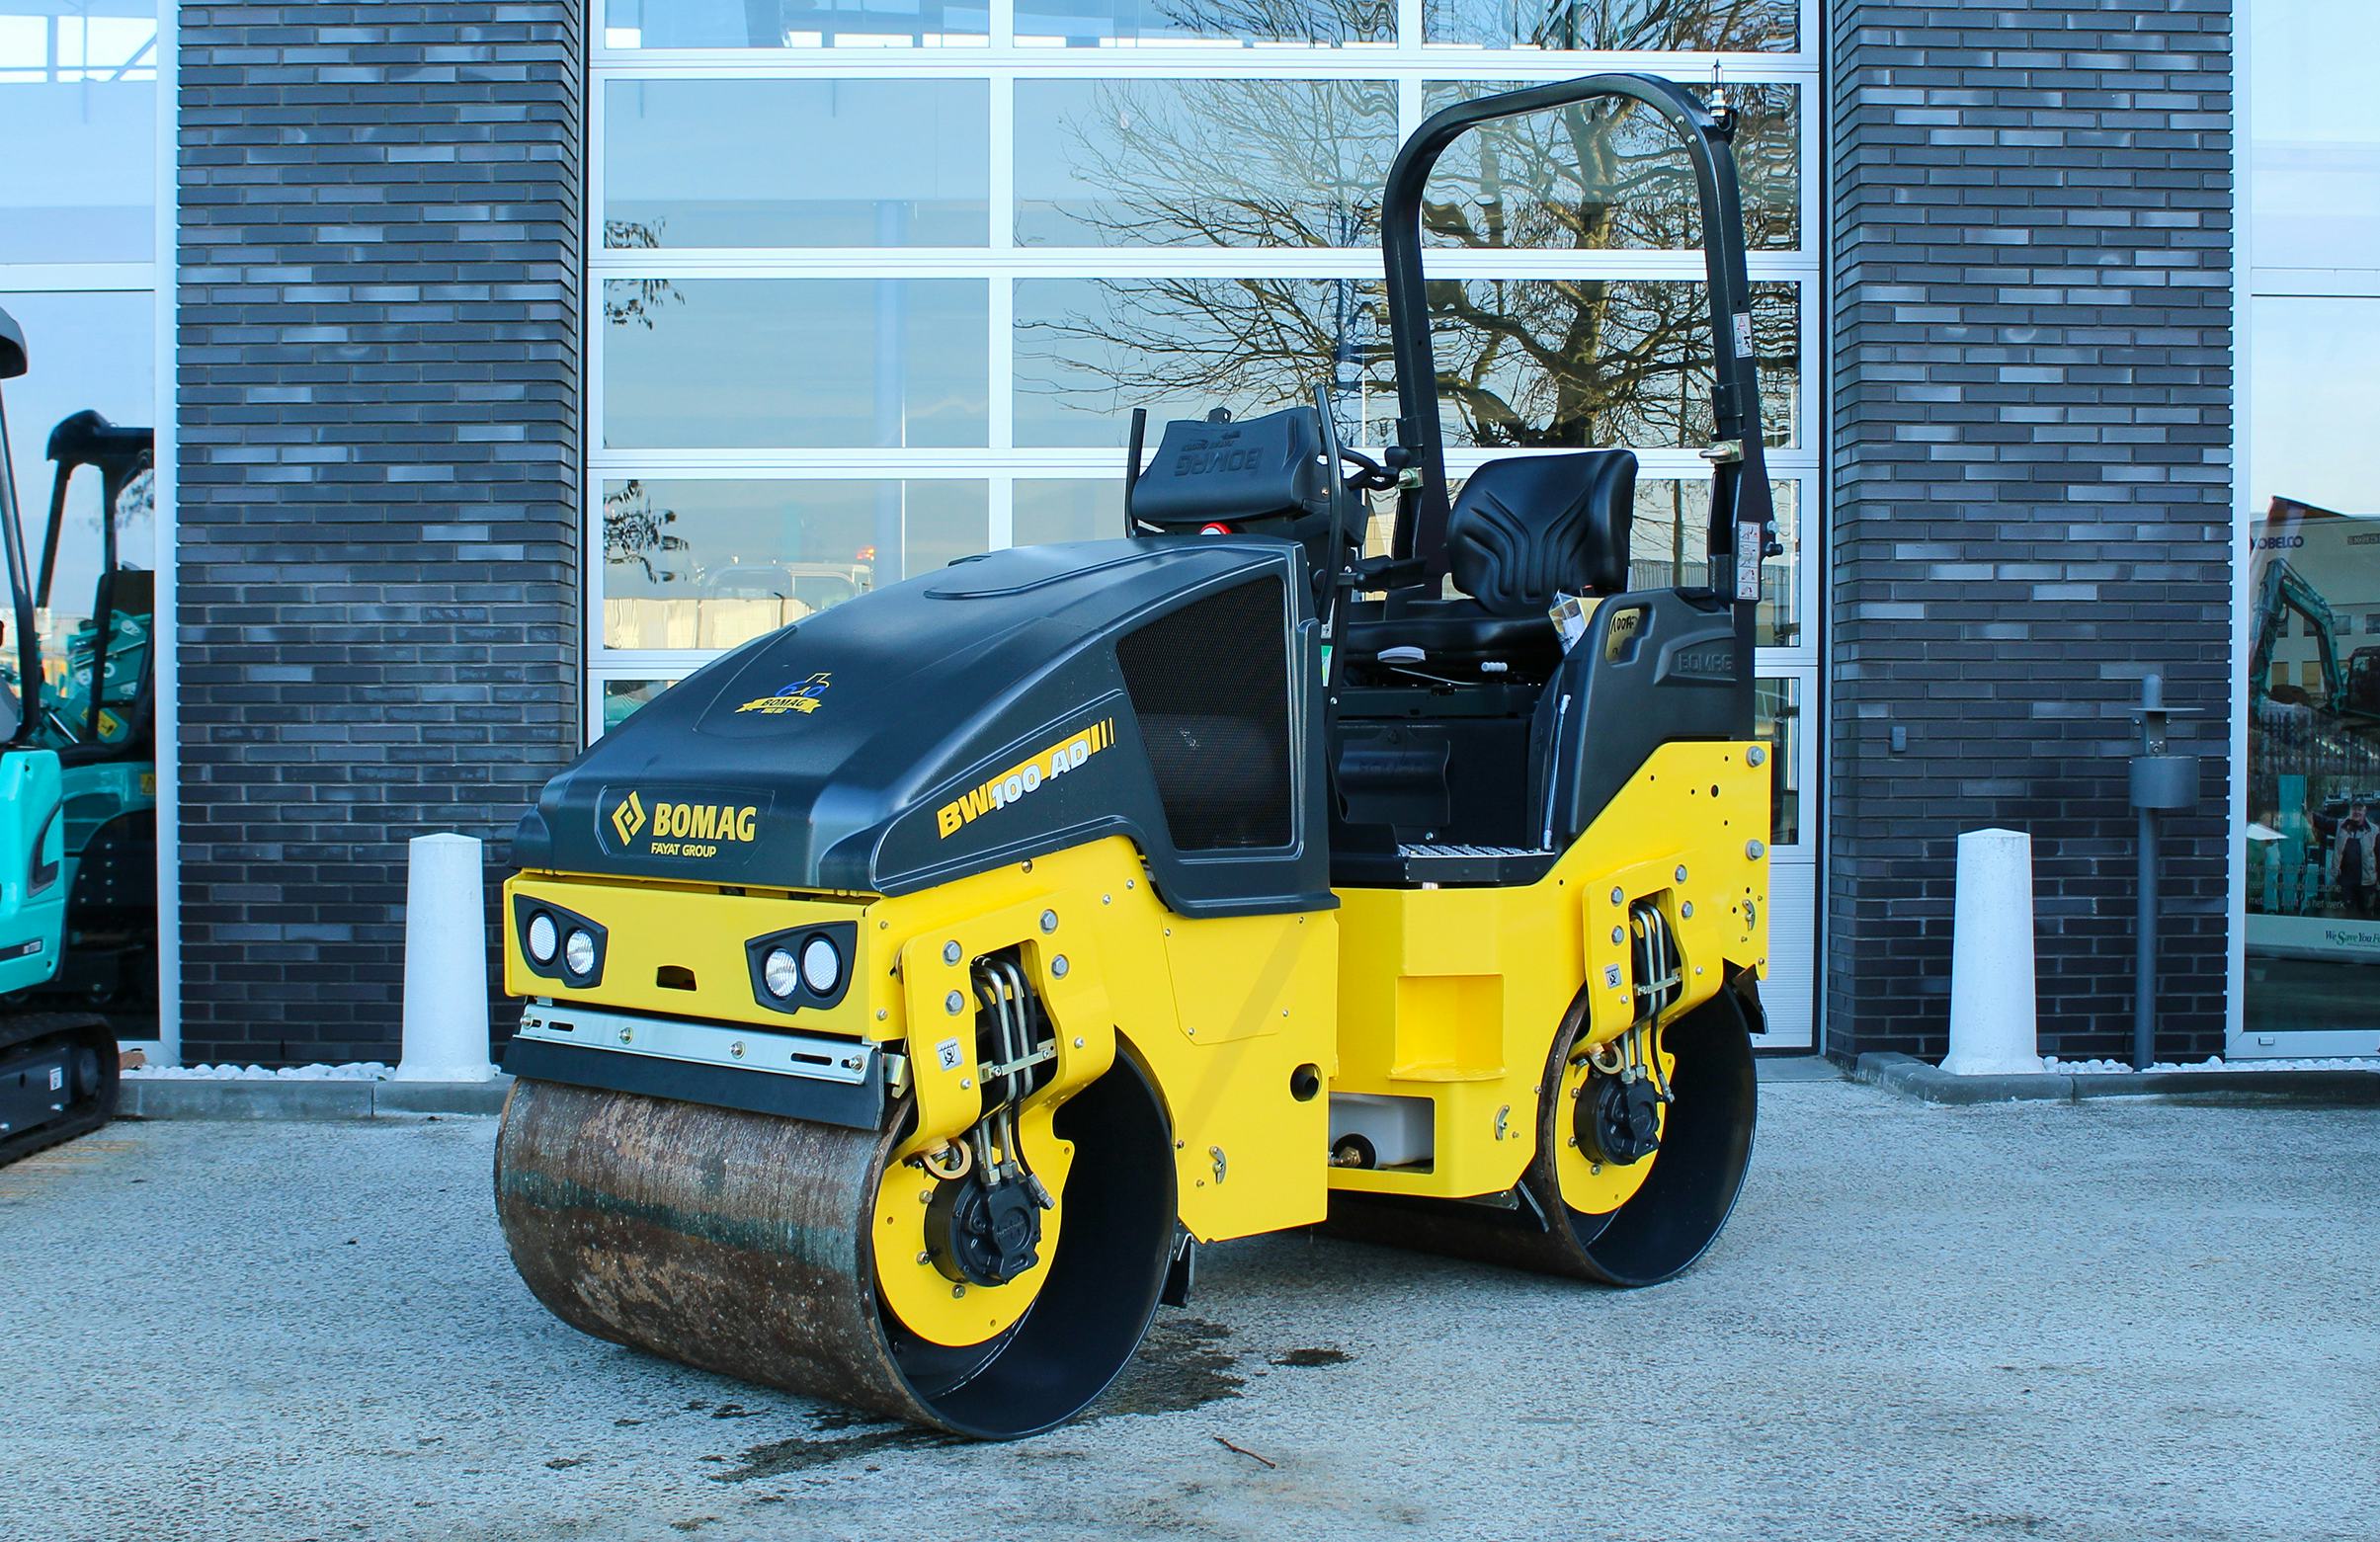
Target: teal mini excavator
(79, 787)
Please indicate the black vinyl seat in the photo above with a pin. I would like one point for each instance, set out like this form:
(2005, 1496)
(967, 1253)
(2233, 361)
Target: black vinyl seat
(1521, 531)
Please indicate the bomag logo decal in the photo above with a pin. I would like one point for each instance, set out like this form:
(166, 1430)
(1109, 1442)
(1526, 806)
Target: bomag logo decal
(999, 792)
(795, 695)
(693, 830)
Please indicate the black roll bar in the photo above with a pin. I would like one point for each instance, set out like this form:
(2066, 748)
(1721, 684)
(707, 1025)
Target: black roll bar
(1741, 516)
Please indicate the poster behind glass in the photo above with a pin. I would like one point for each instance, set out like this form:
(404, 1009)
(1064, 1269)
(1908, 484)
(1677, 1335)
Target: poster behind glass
(2313, 837)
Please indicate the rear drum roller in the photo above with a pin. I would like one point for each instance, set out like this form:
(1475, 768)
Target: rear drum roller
(746, 1244)
(1649, 1185)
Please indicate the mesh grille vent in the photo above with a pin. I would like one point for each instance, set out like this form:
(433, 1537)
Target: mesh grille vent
(1210, 685)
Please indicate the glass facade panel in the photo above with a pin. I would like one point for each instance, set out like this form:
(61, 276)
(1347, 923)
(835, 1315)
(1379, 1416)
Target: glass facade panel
(79, 108)
(1074, 508)
(1606, 176)
(623, 697)
(1203, 162)
(1120, 24)
(794, 363)
(1581, 363)
(796, 23)
(2310, 848)
(1776, 717)
(783, 163)
(2314, 143)
(96, 350)
(2308, 441)
(1652, 26)
(1091, 349)
(1668, 542)
(705, 564)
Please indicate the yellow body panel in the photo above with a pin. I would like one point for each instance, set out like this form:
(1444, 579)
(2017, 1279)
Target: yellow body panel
(1597, 1187)
(1223, 1013)
(1454, 995)
(1448, 995)
(923, 1297)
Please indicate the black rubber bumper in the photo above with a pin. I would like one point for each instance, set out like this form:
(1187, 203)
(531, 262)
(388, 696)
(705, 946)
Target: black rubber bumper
(855, 1105)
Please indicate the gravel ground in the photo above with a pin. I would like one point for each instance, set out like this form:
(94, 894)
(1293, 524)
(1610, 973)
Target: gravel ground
(2095, 1322)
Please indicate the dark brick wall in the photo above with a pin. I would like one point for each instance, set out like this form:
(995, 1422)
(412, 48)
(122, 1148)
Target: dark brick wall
(2032, 428)
(380, 387)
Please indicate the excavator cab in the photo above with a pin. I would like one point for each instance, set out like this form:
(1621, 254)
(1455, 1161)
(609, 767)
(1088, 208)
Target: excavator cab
(95, 592)
(57, 1065)
(912, 992)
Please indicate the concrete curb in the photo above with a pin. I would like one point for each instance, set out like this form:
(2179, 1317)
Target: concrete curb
(175, 1098)
(1915, 1079)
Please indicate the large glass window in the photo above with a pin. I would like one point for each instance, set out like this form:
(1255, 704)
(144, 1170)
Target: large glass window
(2310, 801)
(78, 108)
(793, 362)
(889, 278)
(1608, 176)
(795, 163)
(1125, 162)
(795, 24)
(1091, 349)
(1124, 24)
(708, 564)
(78, 200)
(1652, 26)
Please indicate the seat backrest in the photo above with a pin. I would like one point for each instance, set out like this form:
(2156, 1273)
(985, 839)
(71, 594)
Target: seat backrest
(1526, 529)
(1232, 472)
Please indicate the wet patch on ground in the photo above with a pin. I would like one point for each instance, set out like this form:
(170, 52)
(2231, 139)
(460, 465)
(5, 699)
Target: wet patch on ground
(837, 1438)
(1322, 1354)
(1182, 1365)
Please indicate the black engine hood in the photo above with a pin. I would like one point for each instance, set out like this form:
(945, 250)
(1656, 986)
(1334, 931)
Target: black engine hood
(882, 746)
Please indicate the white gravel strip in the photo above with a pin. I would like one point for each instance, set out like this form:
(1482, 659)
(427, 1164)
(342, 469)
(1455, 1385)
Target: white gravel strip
(2056, 1066)
(353, 1071)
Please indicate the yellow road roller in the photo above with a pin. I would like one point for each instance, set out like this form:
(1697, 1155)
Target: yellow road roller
(910, 992)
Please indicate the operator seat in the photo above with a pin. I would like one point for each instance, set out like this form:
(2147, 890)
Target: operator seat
(1520, 532)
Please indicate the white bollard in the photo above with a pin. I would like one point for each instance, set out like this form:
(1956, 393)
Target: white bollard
(1992, 1029)
(446, 962)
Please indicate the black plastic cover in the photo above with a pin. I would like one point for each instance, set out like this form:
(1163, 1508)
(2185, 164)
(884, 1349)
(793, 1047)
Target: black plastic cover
(941, 727)
(12, 347)
(1257, 468)
(1655, 667)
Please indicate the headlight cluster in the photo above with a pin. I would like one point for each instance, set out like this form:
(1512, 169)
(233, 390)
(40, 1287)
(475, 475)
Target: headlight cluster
(807, 966)
(560, 943)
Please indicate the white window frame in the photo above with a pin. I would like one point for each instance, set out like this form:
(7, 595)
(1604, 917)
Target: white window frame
(2253, 281)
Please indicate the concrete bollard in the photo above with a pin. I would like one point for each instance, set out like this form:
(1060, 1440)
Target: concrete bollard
(1992, 1028)
(446, 962)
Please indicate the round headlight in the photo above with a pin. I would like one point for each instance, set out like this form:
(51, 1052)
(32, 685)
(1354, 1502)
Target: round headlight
(779, 973)
(578, 952)
(821, 967)
(543, 937)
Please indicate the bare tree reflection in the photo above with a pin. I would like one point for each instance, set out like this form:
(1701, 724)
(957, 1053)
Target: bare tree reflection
(1651, 26)
(636, 534)
(636, 300)
(1541, 362)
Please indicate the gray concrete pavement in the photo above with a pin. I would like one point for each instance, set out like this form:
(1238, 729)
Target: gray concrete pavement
(2092, 1321)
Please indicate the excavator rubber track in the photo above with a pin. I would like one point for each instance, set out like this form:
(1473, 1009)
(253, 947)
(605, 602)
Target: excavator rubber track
(58, 1079)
